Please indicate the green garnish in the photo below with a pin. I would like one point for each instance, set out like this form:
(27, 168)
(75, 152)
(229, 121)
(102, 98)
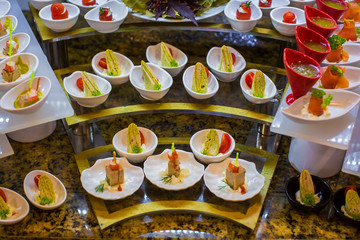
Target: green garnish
(335, 68)
(204, 152)
(45, 201)
(96, 93)
(137, 149)
(326, 101)
(4, 213)
(174, 63)
(358, 32)
(335, 41)
(100, 188)
(318, 93)
(309, 200)
(356, 217)
(237, 160)
(157, 86)
(224, 186)
(112, 74)
(166, 179)
(173, 147)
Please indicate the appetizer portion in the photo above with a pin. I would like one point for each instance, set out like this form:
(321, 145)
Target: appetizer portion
(211, 145)
(337, 53)
(235, 175)
(151, 82)
(5, 210)
(11, 72)
(115, 176)
(112, 67)
(29, 96)
(348, 31)
(333, 77)
(167, 59)
(265, 3)
(351, 208)
(15, 46)
(105, 14)
(227, 59)
(317, 105)
(135, 140)
(258, 85)
(88, 2)
(88, 86)
(3, 31)
(47, 194)
(244, 11)
(306, 195)
(289, 17)
(59, 11)
(352, 12)
(200, 79)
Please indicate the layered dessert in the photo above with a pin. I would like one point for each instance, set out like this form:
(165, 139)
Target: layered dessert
(5, 210)
(167, 59)
(306, 195)
(46, 188)
(211, 145)
(244, 11)
(351, 208)
(151, 82)
(258, 85)
(135, 139)
(90, 88)
(105, 14)
(226, 60)
(200, 79)
(112, 64)
(59, 11)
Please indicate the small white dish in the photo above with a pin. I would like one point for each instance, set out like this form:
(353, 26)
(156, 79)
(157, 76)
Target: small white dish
(31, 189)
(18, 204)
(155, 165)
(164, 78)
(23, 38)
(120, 144)
(270, 89)
(153, 55)
(198, 139)
(71, 87)
(212, 88)
(242, 25)
(302, 3)
(28, 58)
(215, 174)
(8, 99)
(274, 4)
(125, 65)
(14, 22)
(91, 177)
(342, 102)
(119, 12)
(61, 25)
(353, 49)
(351, 74)
(287, 29)
(85, 9)
(39, 4)
(4, 8)
(213, 61)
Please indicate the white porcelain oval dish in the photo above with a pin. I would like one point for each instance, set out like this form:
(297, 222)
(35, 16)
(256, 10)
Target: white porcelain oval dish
(199, 138)
(13, 20)
(8, 99)
(153, 55)
(31, 189)
(125, 65)
(164, 78)
(270, 89)
(84, 9)
(72, 89)
(351, 74)
(353, 49)
(39, 4)
(91, 177)
(213, 85)
(302, 3)
(215, 174)
(156, 164)
(287, 29)
(61, 25)
(343, 101)
(242, 25)
(16, 202)
(4, 8)
(119, 12)
(120, 144)
(28, 58)
(213, 61)
(23, 38)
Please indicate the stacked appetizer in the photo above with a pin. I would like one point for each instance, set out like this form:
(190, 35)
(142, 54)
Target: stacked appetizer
(167, 59)
(306, 195)
(151, 82)
(115, 176)
(46, 194)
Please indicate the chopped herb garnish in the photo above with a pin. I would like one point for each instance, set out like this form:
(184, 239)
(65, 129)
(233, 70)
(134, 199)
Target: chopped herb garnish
(224, 186)
(157, 86)
(45, 201)
(335, 41)
(335, 69)
(137, 149)
(166, 179)
(100, 188)
(358, 32)
(96, 93)
(309, 200)
(326, 101)
(174, 63)
(318, 93)
(4, 213)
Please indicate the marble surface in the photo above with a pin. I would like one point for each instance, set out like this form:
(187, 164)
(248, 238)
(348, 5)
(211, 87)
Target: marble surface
(75, 218)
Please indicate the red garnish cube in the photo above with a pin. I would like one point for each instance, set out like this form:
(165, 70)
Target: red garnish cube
(32, 95)
(233, 168)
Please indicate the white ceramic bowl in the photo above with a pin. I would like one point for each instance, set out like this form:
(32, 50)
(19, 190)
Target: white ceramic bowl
(155, 165)
(199, 138)
(164, 78)
(31, 189)
(13, 20)
(125, 65)
(119, 12)
(274, 4)
(18, 204)
(270, 89)
(213, 85)
(23, 38)
(63, 24)
(302, 3)
(29, 59)
(85, 9)
(77, 94)
(153, 55)
(242, 25)
(39, 4)
(287, 29)
(4, 8)
(120, 144)
(7, 101)
(213, 61)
